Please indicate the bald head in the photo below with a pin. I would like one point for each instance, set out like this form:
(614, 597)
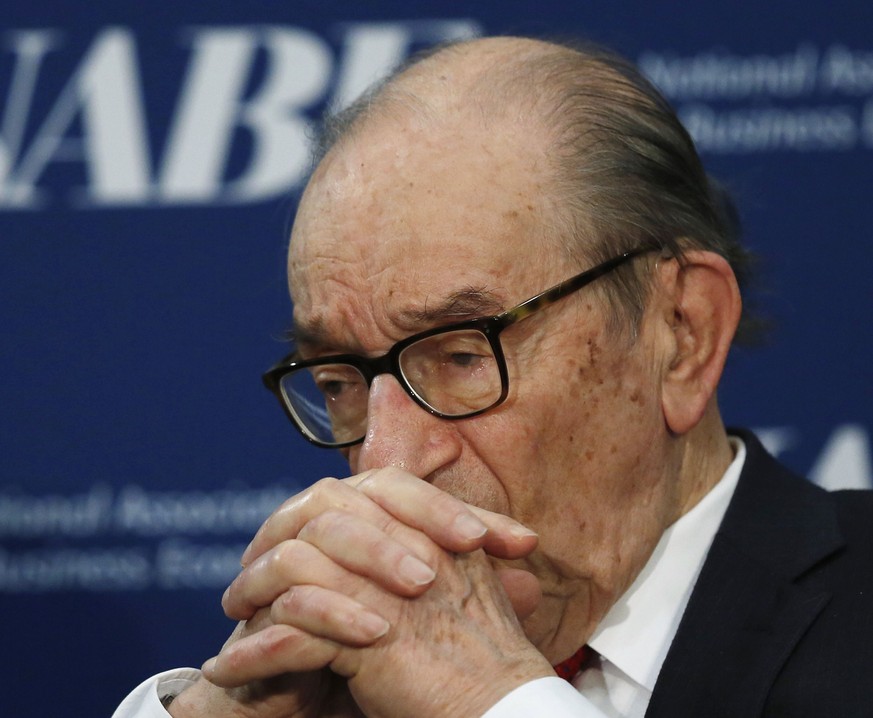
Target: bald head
(623, 170)
(479, 81)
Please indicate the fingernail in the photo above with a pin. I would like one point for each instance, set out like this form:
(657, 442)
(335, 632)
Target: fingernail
(245, 558)
(520, 531)
(416, 572)
(209, 667)
(469, 527)
(373, 625)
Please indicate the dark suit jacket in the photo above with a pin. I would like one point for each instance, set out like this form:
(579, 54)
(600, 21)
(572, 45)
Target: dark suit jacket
(780, 622)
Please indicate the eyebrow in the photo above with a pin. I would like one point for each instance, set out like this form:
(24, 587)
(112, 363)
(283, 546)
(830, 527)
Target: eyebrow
(467, 303)
(300, 336)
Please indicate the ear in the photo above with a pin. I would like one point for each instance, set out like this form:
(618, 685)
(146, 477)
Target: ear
(698, 309)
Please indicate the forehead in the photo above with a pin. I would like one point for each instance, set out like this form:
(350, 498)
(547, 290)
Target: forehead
(404, 217)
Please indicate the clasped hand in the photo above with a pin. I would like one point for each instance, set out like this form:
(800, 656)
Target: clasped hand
(375, 594)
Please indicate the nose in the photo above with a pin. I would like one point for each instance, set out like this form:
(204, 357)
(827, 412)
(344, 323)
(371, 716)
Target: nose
(402, 434)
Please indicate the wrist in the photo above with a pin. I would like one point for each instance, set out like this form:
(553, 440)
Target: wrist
(197, 701)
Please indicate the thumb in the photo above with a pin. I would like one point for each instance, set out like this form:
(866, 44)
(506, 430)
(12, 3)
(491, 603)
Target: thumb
(523, 590)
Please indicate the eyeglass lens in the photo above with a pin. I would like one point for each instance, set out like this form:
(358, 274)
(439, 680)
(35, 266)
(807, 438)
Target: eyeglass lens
(453, 373)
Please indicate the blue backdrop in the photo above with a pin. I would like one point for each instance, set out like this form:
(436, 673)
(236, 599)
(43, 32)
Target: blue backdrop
(150, 158)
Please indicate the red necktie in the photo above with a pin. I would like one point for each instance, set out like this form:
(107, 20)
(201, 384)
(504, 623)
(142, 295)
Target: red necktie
(568, 668)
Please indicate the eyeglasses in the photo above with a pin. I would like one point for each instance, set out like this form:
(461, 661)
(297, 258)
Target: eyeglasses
(453, 372)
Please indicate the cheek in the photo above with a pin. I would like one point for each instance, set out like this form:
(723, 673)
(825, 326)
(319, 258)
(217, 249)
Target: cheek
(580, 434)
(523, 459)
(490, 471)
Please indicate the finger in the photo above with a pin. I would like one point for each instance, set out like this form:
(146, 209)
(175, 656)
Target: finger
(328, 614)
(261, 619)
(266, 578)
(506, 537)
(522, 589)
(269, 652)
(400, 565)
(446, 520)
(449, 522)
(286, 521)
(334, 550)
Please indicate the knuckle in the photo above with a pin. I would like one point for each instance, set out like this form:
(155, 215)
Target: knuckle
(445, 503)
(322, 524)
(286, 607)
(282, 560)
(229, 600)
(231, 662)
(323, 488)
(329, 493)
(280, 556)
(297, 599)
(278, 640)
(279, 517)
(383, 476)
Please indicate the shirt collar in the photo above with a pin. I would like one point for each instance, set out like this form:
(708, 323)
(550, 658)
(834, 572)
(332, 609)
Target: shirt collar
(636, 633)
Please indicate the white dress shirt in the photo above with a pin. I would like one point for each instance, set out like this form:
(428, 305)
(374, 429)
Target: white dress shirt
(145, 700)
(635, 635)
(632, 640)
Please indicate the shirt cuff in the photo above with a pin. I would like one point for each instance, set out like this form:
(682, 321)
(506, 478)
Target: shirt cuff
(145, 700)
(552, 696)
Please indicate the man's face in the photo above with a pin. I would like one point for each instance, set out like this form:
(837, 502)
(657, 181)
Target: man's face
(405, 228)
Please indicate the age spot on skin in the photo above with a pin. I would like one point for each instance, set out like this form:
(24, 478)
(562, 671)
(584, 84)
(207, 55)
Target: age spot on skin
(593, 351)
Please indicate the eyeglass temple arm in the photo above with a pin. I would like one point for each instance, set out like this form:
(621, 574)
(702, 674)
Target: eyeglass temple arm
(568, 286)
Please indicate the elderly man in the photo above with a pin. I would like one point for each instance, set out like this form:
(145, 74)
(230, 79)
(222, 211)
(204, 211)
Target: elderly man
(514, 291)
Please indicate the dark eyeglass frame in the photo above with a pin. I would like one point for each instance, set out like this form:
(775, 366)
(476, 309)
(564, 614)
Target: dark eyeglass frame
(490, 327)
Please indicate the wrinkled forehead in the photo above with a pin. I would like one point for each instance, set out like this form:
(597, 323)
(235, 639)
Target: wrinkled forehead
(405, 216)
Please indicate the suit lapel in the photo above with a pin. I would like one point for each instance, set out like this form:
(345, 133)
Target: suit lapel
(747, 610)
